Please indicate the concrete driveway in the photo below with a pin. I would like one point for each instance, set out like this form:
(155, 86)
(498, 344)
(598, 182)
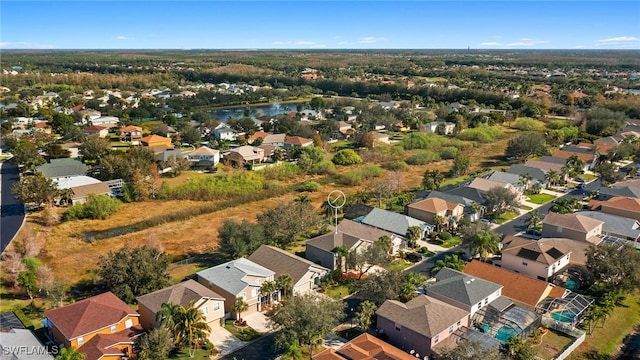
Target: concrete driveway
(224, 341)
(259, 322)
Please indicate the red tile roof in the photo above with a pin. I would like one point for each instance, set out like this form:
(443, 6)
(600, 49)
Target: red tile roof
(89, 315)
(104, 344)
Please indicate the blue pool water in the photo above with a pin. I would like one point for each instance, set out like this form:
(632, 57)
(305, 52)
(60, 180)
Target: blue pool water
(564, 316)
(505, 333)
(571, 284)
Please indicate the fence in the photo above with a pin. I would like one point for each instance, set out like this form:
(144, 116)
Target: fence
(578, 336)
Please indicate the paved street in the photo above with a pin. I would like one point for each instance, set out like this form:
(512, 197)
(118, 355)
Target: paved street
(262, 349)
(12, 212)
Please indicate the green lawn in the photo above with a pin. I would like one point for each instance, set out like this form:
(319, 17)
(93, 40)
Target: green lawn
(398, 264)
(455, 180)
(588, 177)
(505, 217)
(30, 313)
(540, 198)
(551, 344)
(454, 241)
(199, 354)
(604, 341)
(525, 207)
(244, 334)
(337, 292)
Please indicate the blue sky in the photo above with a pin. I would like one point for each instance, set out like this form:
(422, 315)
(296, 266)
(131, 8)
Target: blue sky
(320, 24)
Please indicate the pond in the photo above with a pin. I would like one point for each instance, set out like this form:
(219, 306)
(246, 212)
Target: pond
(254, 111)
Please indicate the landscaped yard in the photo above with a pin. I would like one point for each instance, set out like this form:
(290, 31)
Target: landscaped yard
(504, 217)
(525, 207)
(540, 198)
(604, 341)
(398, 264)
(454, 241)
(199, 354)
(551, 344)
(588, 177)
(246, 333)
(337, 292)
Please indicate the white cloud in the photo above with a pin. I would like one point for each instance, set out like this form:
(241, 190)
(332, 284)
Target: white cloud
(528, 42)
(24, 45)
(621, 42)
(122, 37)
(372, 40)
(490, 43)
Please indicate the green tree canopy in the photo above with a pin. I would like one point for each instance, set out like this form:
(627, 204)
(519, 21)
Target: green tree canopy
(499, 200)
(527, 144)
(346, 157)
(35, 189)
(239, 239)
(131, 272)
(156, 344)
(313, 160)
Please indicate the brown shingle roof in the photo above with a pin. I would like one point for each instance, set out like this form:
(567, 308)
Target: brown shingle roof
(180, 294)
(105, 344)
(543, 165)
(434, 205)
(88, 315)
(203, 150)
(365, 347)
(483, 184)
(515, 286)
(563, 154)
(541, 251)
(361, 231)
(332, 240)
(296, 140)
(86, 190)
(423, 314)
(282, 262)
(575, 222)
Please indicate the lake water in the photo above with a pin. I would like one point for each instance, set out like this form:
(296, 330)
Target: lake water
(255, 111)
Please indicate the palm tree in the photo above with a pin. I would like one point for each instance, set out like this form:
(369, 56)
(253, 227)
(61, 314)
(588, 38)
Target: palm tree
(284, 282)
(267, 288)
(315, 343)
(533, 219)
(341, 252)
(191, 329)
(477, 209)
(437, 222)
(552, 177)
(365, 314)
(414, 233)
(239, 307)
(484, 244)
(292, 350)
(525, 181)
(451, 262)
(536, 188)
(167, 315)
(70, 354)
(303, 199)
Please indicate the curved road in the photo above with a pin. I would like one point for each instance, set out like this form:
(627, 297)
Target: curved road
(12, 211)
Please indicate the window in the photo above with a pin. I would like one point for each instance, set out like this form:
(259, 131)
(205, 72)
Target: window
(524, 263)
(80, 340)
(128, 323)
(113, 329)
(205, 310)
(450, 329)
(254, 292)
(436, 339)
(486, 301)
(397, 328)
(459, 323)
(216, 306)
(559, 229)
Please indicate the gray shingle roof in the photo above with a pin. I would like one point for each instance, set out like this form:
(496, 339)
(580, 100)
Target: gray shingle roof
(535, 173)
(423, 314)
(451, 197)
(626, 191)
(469, 193)
(25, 344)
(393, 222)
(552, 159)
(614, 224)
(180, 294)
(63, 167)
(505, 177)
(332, 240)
(282, 262)
(461, 287)
(230, 276)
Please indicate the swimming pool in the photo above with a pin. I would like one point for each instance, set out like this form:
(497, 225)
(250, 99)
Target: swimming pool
(505, 333)
(571, 284)
(563, 315)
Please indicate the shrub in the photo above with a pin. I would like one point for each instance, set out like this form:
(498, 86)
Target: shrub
(527, 124)
(396, 166)
(96, 207)
(422, 157)
(308, 186)
(346, 157)
(281, 171)
(482, 134)
(444, 236)
(558, 124)
(417, 140)
(359, 175)
(449, 152)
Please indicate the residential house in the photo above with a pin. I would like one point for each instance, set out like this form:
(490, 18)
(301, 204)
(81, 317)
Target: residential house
(589, 157)
(258, 135)
(101, 327)
(467, 192)
(224, 133)
(296, 141)
(523, 290)
(614, 225)
(152, 141)
(88, 115)
(536, 174)
(419, 324)
(164, 154)
(365, 346)
(454, 107)
(544, 165)
(186, 293)
(621, 206)
(426, 210)
(81, 193)
(603, 145)
(321, 249)
(96, 131)
(240, 278)
(485, 185)
(514, 179)
(440, 127)
(106, 121)
(538, 259)
(463, 291)
(306, 275)
(381, 137)
(204, 157)
(60, 168)
(470, 209)
(131, 134)
(606, 193)
(19, 343)
(572, 226)
(372, 234)
(635, 183)
(276, 140)
(395, 223)
(244, 154)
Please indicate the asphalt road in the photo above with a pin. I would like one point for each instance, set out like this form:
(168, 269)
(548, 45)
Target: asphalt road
(262, 349)
(12, 212)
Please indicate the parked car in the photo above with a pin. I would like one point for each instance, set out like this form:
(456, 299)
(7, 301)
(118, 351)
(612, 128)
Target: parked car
(413, 257)
(534, 232)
